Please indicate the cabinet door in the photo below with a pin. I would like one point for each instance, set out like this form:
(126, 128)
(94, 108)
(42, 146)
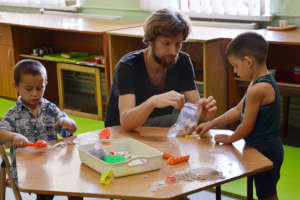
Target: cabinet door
(6, 72)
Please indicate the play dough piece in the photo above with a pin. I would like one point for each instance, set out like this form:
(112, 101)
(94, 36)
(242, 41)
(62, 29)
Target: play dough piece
(206, 135)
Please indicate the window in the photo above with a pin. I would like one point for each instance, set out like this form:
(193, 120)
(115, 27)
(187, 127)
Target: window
(222, 9)
(39, 3)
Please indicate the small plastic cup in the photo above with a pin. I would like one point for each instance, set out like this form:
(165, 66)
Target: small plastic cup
(282, 23)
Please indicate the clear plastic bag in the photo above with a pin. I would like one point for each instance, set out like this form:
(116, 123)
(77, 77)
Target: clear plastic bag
(187, 121)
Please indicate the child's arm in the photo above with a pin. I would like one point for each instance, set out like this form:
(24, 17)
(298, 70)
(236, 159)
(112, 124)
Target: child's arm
(67, 123)
(255, 96)
(17, 139)
(230, 116)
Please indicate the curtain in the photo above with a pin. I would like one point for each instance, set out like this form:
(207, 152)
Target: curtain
(213, 7)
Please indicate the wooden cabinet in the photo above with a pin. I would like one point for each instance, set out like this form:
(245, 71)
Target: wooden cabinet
(83, 84)
(6, 63)
(21, 33)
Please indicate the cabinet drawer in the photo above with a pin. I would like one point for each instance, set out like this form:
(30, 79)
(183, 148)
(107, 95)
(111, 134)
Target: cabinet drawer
(5, 35)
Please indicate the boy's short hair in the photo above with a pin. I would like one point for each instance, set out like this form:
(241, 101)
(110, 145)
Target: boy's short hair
(166, 23)
(249, 44)
(29, 66)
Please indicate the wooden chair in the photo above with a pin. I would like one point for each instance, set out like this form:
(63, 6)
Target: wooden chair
(6, 179)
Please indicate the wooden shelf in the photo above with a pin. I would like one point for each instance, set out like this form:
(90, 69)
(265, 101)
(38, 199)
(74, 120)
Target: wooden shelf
(46, 59)
(200, 82)
(286, 88)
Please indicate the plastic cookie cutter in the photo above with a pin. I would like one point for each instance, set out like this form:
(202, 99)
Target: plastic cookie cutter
(38, 144)
(107, 177)
(104, 134)
(178, 159)
(191, 136)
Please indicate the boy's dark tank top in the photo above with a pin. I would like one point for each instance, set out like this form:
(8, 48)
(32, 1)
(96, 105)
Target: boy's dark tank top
(267, 123)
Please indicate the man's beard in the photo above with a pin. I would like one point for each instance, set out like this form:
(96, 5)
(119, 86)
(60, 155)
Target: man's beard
(165, 61)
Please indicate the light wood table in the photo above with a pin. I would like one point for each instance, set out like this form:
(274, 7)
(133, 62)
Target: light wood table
(60, 172)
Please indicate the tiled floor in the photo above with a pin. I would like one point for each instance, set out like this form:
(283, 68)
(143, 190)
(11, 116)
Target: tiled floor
(204, 195)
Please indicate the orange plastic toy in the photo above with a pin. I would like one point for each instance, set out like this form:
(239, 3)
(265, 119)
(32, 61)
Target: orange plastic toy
(38, 144)
(166, 155)
(104, 134)
(178, 159)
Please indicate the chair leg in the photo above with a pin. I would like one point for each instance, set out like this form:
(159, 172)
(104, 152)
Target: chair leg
(16, 192)
(8, 180)
(2, 181)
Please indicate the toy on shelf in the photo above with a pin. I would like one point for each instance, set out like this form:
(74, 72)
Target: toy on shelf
(297, 74)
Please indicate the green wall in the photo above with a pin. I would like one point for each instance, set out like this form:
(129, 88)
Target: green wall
(129, 9)
(287, 8)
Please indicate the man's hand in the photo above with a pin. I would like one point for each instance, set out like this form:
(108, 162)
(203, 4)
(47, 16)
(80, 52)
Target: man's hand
(67, 123)
(171, 98)
(208, 107)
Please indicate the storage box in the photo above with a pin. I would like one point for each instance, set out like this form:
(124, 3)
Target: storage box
(145, 159)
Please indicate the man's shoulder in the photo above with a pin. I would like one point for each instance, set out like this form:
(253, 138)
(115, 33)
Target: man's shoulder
(132, 58)
(183, 55)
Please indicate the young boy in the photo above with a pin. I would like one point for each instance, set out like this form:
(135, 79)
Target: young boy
(259, 109)
(32, 116)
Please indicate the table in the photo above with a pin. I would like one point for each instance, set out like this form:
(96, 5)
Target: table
(60, 171)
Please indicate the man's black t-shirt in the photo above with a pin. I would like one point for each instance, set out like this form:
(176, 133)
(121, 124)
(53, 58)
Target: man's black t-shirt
(131, 77)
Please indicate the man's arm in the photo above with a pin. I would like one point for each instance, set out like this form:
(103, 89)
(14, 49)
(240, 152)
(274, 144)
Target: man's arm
(132, 116)
(192, 96)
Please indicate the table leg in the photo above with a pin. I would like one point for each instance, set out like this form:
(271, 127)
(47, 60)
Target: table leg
(250, 188)
(218, 192)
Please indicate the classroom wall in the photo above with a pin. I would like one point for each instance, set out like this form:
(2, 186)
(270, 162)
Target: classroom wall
(129, 9)
(287, 8)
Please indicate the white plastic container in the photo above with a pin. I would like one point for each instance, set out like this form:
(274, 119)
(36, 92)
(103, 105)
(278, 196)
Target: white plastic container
(146, 158)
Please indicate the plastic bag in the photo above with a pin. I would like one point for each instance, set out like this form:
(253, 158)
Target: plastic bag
(187, 121)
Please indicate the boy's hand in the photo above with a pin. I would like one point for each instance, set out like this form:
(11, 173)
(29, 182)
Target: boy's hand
(67, 123)
(222, 138)
(19, 140)
(208, 107)
(203, 127)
